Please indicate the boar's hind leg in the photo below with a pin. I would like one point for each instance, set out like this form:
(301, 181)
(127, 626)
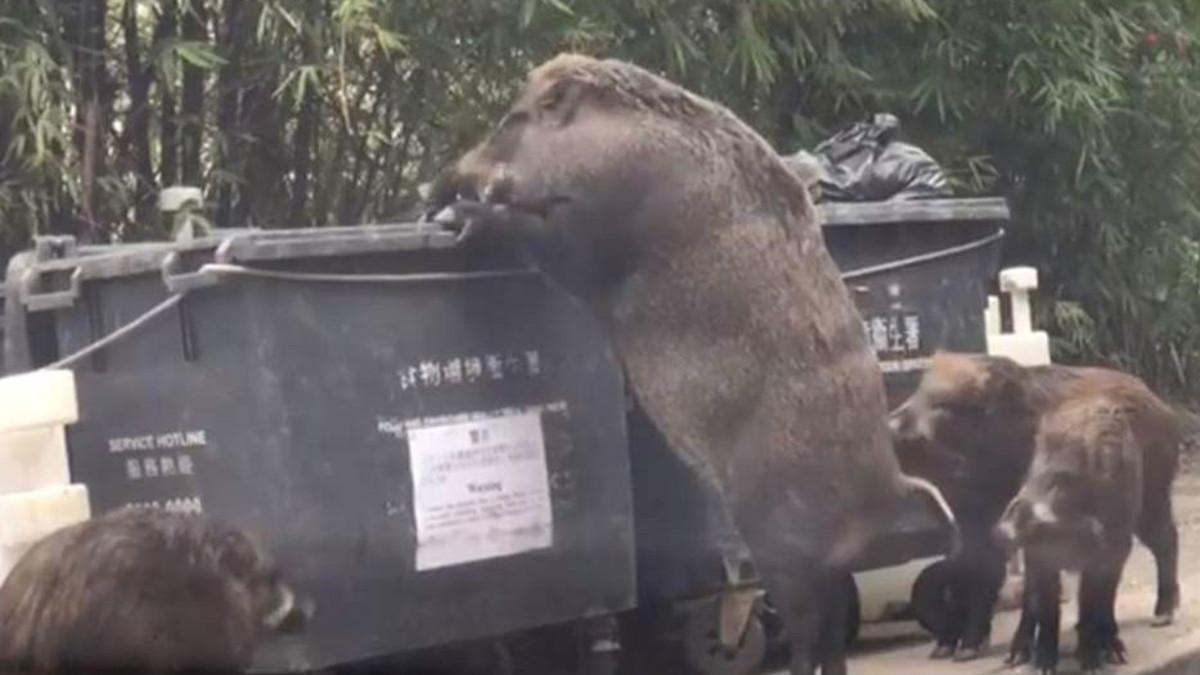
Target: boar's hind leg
(809, 600)
(831, 645)
(1020, 651)
(1156, 529)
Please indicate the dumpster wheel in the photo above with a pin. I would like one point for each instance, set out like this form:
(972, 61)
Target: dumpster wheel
(931, 597)
(704, 653)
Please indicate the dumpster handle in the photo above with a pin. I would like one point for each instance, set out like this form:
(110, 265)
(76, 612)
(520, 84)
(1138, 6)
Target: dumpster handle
(923, 258)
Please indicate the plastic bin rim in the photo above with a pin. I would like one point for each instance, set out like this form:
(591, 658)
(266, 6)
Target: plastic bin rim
(914, 212)
(118, 260)
(246, 245)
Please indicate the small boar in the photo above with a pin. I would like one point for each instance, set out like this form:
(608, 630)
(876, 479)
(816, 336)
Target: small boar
(1077, 510)
(971, 428)
(701, 254)
(141, 590)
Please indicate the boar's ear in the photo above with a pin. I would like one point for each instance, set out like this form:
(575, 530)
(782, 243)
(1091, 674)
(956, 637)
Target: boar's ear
(559, 103)
(236, 554)
(1004, 384)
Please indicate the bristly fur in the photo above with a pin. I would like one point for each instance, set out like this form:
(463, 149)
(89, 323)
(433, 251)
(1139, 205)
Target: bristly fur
(137, 590)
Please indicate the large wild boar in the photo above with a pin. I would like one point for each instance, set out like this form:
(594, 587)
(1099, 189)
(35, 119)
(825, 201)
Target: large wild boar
(1077, 511)
(702, 256)
(971, 428)
(140, 591)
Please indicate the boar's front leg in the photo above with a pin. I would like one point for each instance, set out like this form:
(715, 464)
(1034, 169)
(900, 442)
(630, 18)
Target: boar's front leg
(1020, 651)
(1047, 592)
(983, 573)
(1099, 636)
(948, 635)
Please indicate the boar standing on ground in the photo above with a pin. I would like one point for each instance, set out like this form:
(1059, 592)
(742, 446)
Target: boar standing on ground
(701, 254)
(140, 591)
(1077, 511)
(971, 428)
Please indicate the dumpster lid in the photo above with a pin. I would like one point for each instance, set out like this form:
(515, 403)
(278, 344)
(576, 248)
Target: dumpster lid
(52, 275)
(837, 214)
(242, 245)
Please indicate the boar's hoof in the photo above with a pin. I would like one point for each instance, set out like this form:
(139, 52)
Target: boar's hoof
(942, 652)
(965, 653)
(1166, 604)
(1046, 663)
(1018, 656)
(1115, 654)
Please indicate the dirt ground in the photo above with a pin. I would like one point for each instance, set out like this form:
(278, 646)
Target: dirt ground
(889, 649)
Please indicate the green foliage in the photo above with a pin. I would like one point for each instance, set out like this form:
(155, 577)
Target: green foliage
(34, 131)
(313, 113)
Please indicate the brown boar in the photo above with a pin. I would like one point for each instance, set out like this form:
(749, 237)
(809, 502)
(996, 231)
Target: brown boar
(701, 254)
(142, 590)
(971, 429)
(1076, 510)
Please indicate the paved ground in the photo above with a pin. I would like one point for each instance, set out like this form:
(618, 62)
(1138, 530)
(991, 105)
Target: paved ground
(902, 648)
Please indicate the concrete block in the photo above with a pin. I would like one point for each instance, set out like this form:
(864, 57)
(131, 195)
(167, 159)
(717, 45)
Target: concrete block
(1023, 345)
(30, 515)
(26, 517)
(991, 316)
(32, 458)
(40, 398)
(1028, 349)
(1018, 279)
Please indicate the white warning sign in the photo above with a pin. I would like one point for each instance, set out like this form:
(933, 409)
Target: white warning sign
(480, 490)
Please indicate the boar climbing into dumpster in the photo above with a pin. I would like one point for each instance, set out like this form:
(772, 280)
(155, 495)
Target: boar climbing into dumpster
(972, 428)
(701, 255)
(141, 591)
(1077, 510)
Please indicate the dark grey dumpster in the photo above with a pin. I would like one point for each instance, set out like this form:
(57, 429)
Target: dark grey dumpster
(287, 388)
(435, 446)
(919, 271)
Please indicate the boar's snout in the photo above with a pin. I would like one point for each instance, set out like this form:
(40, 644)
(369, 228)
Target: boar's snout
(1015, 517)
(291, 612)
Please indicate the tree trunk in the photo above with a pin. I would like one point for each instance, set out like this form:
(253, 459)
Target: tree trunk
(191, 118)
(262, 198)
(230, 39)
(304, 140)
(303, 143)
(84, 29)
(168, 165)
(138, 126)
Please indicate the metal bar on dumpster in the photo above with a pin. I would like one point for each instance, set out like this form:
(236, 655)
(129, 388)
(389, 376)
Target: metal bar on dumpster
(216, 269)
(923, 258)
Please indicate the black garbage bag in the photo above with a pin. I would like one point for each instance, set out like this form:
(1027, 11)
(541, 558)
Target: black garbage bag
(864, 163)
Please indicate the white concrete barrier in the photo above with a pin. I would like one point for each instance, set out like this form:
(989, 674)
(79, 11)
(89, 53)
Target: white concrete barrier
(27, 516)
(36, 494)
(38, 399)
(32, 458)
(1023, 345)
